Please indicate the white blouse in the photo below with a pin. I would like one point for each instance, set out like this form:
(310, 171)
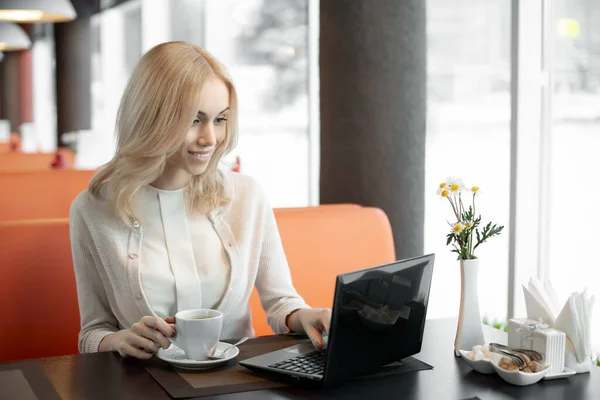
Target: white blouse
(183, 263)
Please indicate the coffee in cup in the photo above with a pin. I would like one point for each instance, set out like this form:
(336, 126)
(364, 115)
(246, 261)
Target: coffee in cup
(198, 332)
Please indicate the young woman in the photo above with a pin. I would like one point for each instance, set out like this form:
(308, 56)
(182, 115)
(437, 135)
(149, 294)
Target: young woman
(161, 228)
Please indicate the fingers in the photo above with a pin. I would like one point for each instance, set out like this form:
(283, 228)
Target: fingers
(145, 330)
(159, 324)
(315, 336)
(317, 323)
(171, 322)
(325, 319)
(144, 344)
(127, 349)
(142, 340)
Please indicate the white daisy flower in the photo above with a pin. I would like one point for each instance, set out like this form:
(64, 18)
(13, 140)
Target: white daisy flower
(457, 227)
(442, 186)
(443, 192)
(474, 189)
(455, 185)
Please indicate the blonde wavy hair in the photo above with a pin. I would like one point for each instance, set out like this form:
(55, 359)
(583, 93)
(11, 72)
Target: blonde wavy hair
(155, 114)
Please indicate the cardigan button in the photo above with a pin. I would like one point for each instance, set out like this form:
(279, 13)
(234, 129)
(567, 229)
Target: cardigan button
(138, 296)
(136, 224)
(133, 256)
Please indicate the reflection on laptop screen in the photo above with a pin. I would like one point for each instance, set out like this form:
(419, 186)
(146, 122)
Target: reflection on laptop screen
(378, 317)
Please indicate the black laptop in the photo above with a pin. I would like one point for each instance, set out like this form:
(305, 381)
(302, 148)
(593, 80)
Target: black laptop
(378, 318)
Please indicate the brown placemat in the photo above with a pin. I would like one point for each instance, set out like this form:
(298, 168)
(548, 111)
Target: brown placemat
(230, 378)
(25, 381)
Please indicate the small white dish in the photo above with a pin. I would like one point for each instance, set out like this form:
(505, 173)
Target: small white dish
(176, 357)
(520, 378)
(566, 373)
(483, 366)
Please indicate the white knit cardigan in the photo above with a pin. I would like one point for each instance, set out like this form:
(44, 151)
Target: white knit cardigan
(107, 265)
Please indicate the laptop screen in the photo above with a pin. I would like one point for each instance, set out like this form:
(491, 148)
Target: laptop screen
(378, 317)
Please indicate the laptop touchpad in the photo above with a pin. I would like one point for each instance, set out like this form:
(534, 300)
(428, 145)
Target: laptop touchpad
(299, 349)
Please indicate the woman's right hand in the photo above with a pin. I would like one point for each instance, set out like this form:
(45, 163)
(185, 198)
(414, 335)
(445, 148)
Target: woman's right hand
(142, 340)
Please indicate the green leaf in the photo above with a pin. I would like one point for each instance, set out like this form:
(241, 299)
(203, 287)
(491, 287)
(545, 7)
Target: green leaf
(488, 231)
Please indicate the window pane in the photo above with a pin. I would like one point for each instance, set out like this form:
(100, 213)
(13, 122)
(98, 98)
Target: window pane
(264, 44)
(574, 206)
(116, 35)
(468, 135)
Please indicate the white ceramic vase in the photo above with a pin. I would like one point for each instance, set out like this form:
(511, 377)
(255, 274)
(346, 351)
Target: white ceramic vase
(469, 332)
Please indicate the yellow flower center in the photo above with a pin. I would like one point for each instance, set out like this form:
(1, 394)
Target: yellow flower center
(475, 189)
(454, 187)
(442, 185)
(468, 225)
(445, 193)
(457, 228)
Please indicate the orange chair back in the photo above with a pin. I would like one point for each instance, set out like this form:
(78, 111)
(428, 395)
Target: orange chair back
(40, 194)
(323, 242)
(17, 161)
(38, 298)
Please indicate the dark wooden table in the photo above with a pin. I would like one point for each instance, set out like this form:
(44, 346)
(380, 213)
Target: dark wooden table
(107, 376)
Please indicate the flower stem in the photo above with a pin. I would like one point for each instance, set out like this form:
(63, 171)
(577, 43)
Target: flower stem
(454, 209)
(471, 232)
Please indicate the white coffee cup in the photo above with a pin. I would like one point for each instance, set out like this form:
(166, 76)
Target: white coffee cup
(198, 332)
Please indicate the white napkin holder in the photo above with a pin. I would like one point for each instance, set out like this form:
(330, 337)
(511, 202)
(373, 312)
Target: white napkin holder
(574, 319)
(530, 334)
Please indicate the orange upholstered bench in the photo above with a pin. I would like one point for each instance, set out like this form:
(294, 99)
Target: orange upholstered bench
(40, 194)
(38, 302)
(38, 298)
(16, 161)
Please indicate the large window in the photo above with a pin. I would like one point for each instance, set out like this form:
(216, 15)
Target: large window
(529, 143)
(573, 208)
(264, 44)
(468, 135)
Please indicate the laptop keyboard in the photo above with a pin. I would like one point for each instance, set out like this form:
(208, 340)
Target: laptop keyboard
(311, 364)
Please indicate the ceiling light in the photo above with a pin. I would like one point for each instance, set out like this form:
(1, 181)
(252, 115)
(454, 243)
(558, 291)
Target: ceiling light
(13, 37)
(37, 10)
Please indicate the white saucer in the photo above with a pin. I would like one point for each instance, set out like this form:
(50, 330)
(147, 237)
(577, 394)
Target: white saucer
(566, 372)
(176, 357)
